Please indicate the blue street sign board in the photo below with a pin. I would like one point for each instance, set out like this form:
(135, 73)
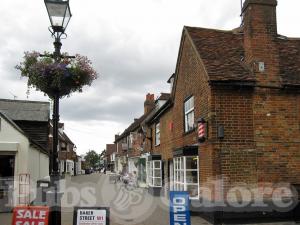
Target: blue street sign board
(179, 208)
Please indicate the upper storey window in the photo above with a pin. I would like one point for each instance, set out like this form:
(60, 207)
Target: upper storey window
(189, 114)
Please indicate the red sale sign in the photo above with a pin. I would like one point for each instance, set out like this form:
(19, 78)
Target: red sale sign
(30, 215)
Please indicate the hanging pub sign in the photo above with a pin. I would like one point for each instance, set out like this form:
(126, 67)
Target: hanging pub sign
(30, 215)
(201, 130)
(91, 216)
(179, 208)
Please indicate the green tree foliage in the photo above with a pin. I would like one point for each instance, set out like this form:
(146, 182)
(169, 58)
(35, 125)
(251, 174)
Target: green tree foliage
(92, 159)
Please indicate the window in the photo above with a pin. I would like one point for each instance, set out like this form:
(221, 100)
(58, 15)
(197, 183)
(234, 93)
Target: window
(189, 114)
(186, 175)
(157, 134)
(154, 173)
(63, 146)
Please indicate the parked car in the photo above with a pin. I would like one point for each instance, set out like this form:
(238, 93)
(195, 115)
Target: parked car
(88, 171)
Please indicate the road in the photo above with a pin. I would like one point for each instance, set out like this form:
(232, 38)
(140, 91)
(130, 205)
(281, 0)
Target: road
(127, 207)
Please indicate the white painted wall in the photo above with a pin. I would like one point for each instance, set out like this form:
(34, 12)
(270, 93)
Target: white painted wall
(28, 160)
(70, 167)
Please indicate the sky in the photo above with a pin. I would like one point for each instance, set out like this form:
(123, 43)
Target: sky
(133, 45)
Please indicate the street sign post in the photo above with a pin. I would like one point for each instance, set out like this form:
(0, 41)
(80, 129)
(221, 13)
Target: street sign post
(179, 208)
(30, 215)
(91, 216)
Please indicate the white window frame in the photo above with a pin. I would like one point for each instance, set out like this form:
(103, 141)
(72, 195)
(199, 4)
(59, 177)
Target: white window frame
(157, 134)
(189, 112)
(151, 173)
(180, 171)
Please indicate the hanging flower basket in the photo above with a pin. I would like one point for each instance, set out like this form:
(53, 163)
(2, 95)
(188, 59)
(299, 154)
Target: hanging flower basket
(51, 77)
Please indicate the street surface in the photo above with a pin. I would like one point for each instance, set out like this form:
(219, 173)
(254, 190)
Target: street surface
(127, 207)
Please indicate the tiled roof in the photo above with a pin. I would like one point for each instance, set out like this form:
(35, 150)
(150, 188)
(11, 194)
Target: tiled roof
(37, 131)
(289, 55)
(26, 110)
(222, 53)
(30, 116)
(156, 114)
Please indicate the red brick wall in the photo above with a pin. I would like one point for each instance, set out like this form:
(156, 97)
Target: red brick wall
(260, 33)
(277, 135)
(166, 136)
(191, 80)
(261, 124)
(232, 108)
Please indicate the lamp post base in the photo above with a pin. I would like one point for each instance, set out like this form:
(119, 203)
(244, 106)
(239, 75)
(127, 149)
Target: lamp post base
(54, 201)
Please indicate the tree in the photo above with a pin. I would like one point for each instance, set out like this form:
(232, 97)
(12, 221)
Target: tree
(92, 159)
(102, 158)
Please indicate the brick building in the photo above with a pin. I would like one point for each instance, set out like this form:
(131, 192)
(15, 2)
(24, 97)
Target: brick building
(131, 154)
(245, 84)
(110, 156)
(67, 156)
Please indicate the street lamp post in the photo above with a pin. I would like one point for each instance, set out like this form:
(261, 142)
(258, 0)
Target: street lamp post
(59, 15)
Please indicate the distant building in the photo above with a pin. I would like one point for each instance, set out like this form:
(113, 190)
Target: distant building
(67, 151)
(110, 157)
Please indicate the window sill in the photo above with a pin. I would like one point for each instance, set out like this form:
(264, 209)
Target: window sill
(189, 132)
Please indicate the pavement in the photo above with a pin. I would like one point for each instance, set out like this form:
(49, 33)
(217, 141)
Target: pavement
(127, 206)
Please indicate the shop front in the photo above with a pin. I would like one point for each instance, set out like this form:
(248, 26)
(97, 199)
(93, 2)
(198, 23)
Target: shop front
(185, 172)
(142, 170)
(154, 174)
(7, 167)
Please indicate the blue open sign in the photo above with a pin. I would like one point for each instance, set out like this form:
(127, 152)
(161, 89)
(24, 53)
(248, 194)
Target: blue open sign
(179, 208)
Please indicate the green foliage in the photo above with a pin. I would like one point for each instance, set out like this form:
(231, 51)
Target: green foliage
(52, 77)
(92, 159)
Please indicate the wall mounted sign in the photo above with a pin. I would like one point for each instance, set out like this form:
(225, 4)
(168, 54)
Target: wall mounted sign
(30, 215)
(179, 208)
(202, 130)
(91, 216)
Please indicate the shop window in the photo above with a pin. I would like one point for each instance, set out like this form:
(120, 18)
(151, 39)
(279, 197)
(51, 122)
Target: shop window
(186, 175)
(189, 114)
(154, 173)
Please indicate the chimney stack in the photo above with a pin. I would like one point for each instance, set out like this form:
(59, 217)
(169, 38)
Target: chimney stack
(260, 33)
(149, 103)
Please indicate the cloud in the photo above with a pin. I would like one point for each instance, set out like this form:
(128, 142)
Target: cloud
(133, 45)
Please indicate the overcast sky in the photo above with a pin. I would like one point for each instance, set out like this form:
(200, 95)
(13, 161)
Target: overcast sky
(133, 45)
